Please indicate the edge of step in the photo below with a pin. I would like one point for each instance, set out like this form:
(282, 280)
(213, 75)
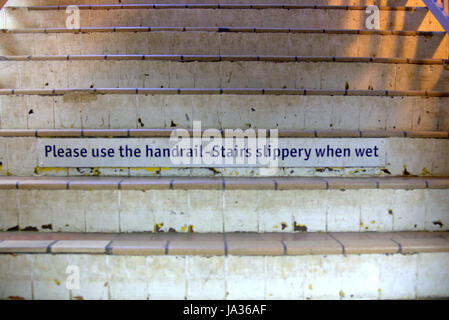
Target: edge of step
(224, 244)
(158, 133)
(247, 91)
(218, 6)
(221, 183)
(225, 30)
(218, 58)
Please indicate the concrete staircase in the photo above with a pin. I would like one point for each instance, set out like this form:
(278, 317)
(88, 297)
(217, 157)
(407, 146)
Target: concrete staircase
(135, 69)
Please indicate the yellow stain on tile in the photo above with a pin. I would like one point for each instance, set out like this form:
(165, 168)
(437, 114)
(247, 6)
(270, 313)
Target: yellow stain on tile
(158, 226)
(234, 173)
(425, 172)
(215, 170)
(310, 287)
(57, 282)
(50, 171)
(4, 172)
(152, 170)
(95, 172)
(148, 169)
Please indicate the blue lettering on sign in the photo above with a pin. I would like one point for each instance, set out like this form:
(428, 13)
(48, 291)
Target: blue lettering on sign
(53, 151)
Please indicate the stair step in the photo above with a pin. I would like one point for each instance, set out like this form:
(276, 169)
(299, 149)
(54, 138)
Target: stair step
(218, 58)
(183, 6)
(250, 266)
(223, 74)
(411, 3)
(229, 204)
(220, 183)
(226, 29)
(219, 244)
(346, 17)
(237, 41)
(223, 91)
(384, 112)
(292, 133)
(413, 155)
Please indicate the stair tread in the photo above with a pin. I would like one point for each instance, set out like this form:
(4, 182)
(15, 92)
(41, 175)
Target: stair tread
(225, 183)
(225, 244)
(417, 3)
(282, 133)
(252, 91)
(224, 29)
(215, 58)
(186, 5)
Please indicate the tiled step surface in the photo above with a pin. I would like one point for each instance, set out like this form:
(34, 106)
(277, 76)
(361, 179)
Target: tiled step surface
(404, 156)
(224, 40)
(222, 58)
(237, 244)
(260, 6)
(224, 91)
(173, 266)
(205, 205)
(164, 133)
(326, 17)
(221, 183)
(223, 74)
(321, 110)
(411, 3)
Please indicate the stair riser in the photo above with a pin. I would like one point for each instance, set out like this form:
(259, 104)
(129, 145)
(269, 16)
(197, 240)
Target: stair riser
(403, 156)
(421, 20)
(214, 43)
(366, 276)
(253, 74)
(226, 211)
(294, 112)
(324, 2)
